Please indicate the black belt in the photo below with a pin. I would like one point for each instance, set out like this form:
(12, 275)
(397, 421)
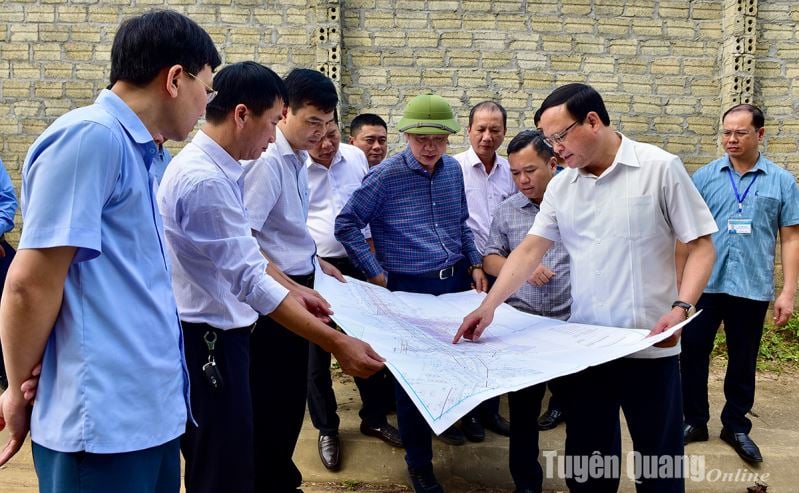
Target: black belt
(440, 274)
(304, 279)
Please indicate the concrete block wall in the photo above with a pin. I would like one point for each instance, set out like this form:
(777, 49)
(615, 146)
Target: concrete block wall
(667, 68)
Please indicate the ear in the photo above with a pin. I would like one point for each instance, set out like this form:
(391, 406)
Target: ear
(593, 120)
(351, 140)
(173, 79)
(240, 115)
(761, 132)
(553, 163)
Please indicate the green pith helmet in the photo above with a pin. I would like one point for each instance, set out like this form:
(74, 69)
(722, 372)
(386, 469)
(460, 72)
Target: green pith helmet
(428, 114)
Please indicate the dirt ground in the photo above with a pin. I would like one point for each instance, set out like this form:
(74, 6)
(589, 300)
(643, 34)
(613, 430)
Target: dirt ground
(18, 476)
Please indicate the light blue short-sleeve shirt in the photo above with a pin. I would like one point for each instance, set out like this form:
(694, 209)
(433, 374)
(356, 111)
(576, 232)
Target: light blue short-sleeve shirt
(745, 263)
(113, 375)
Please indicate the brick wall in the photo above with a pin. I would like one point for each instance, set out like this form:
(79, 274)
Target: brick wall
(661, 65)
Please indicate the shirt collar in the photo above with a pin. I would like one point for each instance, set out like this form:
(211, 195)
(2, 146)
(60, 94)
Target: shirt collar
(229, 166)
(309, 161)
(760, 164)
(474, 159)
(521, 201)
(116, 107)
(285, 149)
(625, 156)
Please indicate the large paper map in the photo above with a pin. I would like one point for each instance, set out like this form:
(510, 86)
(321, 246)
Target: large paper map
(414, 332)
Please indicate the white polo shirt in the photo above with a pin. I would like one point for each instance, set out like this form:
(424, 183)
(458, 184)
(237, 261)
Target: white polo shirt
(330, 188)
(620, 230)
(484, 191)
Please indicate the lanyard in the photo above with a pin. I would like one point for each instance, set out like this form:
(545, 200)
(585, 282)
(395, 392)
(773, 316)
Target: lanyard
(740, 198)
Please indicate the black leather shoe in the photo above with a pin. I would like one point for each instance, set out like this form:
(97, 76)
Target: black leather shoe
(497, 424)
(692, 433)
(452, 436)
(385, 432)
(473, 429)
(424, 481)
(745, 446)
(550, 419)
(330, 451)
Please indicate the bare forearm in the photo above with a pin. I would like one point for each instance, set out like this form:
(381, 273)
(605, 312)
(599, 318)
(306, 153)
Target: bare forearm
(699, 259)
(493, 263)
(29, 308)
(297, 319)
(789, 247)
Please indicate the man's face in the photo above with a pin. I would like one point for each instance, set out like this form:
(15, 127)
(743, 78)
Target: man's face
(372, 140)
(325, 150)
(305, 127)
(739, 137)
(427, 149)
(191, 102)
(531, 173)
(569, 139)
(486, 133)
(259, 131)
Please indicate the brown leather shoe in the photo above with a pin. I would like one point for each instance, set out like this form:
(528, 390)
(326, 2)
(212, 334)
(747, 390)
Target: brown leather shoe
(330, 451)
(385, 432)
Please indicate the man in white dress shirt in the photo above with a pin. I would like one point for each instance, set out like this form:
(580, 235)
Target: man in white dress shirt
(488, 181)
(335, 170)
(220, 281)
(618, 210)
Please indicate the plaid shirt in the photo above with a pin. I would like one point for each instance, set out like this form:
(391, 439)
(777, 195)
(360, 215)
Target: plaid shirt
(418, 220)
(512, 221)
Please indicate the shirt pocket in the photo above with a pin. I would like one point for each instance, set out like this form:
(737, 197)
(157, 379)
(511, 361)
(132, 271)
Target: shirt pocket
(766, 211)
(634, 217)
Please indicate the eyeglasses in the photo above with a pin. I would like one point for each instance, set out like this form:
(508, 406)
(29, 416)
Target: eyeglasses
(209, 92)
(559, 137)
(726, 134)
(430, 140)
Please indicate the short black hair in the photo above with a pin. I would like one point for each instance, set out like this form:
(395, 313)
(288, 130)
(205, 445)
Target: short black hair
(758, 119)
(366, 119)
(148, 43)
(492, 105)
(580, 99)
(306, 86)
(247, 83)
(533, 138)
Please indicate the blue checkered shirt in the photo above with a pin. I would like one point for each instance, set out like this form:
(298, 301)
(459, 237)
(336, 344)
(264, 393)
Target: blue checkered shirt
(745, 263)
(418, 220)
(512, 220)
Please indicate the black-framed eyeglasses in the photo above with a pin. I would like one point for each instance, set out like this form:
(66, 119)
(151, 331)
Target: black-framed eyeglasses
(209, 91)
(559, 137)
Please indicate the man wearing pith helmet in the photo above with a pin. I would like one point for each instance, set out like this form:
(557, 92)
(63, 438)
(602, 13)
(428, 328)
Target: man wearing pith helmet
(415, 205)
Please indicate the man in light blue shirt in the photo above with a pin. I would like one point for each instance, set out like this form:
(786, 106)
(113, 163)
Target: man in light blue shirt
(8, 207)
(752, 200)
(220, 278)
(89, 291)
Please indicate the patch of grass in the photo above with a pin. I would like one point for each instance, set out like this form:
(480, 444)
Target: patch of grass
(779, 347)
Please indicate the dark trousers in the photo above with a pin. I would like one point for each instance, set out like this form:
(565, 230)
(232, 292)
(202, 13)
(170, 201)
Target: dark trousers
(377, 391)
(218, 452)
(415, 433)
(5, 263)
(648, 392)
(377, 394)
(743, 324)
(152, 470)
(278, 382)
(524, 405)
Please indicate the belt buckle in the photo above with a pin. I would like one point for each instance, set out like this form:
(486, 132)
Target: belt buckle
(446, 273)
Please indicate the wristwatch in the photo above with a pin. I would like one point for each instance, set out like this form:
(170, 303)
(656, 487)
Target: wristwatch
(689, 308)
(475, 266)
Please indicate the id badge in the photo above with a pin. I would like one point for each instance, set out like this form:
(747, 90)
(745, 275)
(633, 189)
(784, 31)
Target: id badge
(739, 226)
